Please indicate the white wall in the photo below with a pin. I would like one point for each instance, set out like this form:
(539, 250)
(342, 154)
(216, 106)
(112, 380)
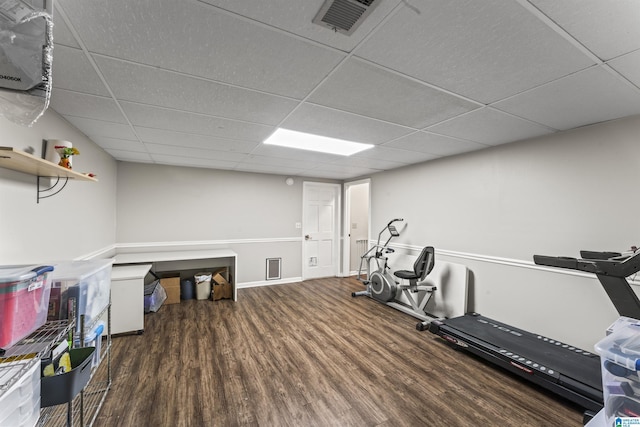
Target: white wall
(253, 214)
(490, 210)
(494, 209)
(77, 222)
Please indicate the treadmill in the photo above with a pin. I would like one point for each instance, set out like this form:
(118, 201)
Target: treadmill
(559, 367)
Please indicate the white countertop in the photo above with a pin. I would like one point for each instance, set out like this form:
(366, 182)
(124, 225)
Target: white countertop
(125, 272)
(142, 257)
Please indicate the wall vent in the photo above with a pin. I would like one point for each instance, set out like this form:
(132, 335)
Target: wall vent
(344, 16)
(273, 268)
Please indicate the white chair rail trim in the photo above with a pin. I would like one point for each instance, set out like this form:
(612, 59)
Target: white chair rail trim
(511, 262)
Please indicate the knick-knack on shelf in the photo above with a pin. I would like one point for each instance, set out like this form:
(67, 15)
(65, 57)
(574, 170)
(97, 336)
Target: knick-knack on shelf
(65, 155)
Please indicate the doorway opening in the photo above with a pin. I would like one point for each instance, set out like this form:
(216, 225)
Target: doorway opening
(357, 224)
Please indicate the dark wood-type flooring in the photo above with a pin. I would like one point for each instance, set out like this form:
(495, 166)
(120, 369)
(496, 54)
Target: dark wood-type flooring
(308, 354)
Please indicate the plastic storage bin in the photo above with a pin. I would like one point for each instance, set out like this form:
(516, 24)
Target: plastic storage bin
(154, 296)
(85, 284)
(62, 388)
(20, 403)
(24, 299)
(620, 357)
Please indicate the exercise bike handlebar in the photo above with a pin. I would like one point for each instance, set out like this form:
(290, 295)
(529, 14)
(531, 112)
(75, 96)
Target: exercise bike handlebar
(392, 231)
(395, 220)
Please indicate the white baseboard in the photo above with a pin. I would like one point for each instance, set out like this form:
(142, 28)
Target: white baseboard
(268, 282)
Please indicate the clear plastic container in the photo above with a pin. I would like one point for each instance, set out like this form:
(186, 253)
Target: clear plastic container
(154, 296)
(620, 358)
(83, 284)
(24, 300)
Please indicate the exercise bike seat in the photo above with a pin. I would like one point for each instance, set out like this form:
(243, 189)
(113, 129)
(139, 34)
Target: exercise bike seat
(421, 267)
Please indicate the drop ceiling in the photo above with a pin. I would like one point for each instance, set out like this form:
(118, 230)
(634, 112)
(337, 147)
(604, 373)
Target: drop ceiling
(203, 83)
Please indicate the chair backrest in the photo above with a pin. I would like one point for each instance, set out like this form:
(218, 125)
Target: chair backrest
(424, 263)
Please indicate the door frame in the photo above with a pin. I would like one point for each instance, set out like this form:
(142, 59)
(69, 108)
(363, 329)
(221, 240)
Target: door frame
(346, 239)
(337, 221)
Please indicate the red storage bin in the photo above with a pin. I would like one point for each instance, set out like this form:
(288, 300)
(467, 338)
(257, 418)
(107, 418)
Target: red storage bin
(24, 301)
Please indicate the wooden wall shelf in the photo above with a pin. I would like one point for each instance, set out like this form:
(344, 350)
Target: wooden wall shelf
(26, 163)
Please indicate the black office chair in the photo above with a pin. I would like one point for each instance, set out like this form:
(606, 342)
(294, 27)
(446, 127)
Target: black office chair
(421, 268)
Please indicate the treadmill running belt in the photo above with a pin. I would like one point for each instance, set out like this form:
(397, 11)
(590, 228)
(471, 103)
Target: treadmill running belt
(550, 356)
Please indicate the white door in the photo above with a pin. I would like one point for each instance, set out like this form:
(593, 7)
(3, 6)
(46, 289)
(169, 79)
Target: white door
(321, 203)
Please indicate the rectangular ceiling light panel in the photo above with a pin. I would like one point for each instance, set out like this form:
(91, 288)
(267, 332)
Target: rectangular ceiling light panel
(322, 144)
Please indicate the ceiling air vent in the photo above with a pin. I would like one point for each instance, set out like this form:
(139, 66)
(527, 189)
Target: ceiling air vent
(344, 16)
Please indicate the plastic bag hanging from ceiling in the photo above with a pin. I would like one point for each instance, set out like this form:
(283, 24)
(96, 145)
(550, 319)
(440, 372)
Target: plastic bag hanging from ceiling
(26, 57)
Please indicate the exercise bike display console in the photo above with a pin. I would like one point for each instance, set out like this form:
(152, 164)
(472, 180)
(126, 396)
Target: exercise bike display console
(568, 371)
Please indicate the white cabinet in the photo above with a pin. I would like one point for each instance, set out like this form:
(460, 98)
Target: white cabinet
(127, 298)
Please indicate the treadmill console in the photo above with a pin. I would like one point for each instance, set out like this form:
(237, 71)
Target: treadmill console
(611, 269)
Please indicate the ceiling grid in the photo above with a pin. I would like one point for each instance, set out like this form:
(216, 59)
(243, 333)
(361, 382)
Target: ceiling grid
(209, 80)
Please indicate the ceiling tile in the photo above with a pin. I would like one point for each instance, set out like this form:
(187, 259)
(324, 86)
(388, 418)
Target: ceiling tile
(194, 153)
(293, 154)
(262, 168)
(89, 106)
(607, 28)
(192, 162)
(484, 50)
(184, 140)
(72, 70)
(591, 96)
(490, 127)
(380, 152)
(338, 124)
(366, 89)
(297, 18)
(438, 145)
(257, 57)
(119, 144)
(129, 156)
(61, 34)
(278, 161)
(131, 82)
(628, 66)
(362, 162)
(92, 127)
(162, 118)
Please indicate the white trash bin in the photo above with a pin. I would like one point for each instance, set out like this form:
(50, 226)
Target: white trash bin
(203, 285)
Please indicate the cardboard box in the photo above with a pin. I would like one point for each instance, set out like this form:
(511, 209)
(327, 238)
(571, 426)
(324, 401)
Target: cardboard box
(222, 289)
(172, 287)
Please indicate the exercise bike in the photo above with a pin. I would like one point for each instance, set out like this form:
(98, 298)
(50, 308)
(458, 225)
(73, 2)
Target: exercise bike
(382, 286)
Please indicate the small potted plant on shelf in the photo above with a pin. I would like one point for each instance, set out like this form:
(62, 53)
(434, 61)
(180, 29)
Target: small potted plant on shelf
(65, 155)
